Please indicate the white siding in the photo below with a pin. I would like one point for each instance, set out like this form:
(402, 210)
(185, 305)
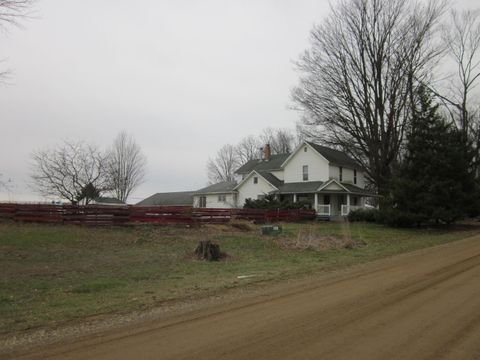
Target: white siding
(347, 175)
(212, 201)
(279, 174)
(360, 179)
(317, 166)
(250, 190)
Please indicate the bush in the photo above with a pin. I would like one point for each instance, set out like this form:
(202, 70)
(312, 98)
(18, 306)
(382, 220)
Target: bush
(367, 215)
(271, 203)
(386, 216)
(397, 218)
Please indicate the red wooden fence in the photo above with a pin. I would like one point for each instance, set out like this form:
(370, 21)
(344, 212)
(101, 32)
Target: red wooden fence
(166, 215)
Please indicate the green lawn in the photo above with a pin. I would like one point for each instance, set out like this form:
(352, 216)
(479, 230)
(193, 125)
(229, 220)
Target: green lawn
(53, 274)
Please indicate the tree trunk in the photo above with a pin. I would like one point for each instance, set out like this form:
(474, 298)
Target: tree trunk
(206, 250)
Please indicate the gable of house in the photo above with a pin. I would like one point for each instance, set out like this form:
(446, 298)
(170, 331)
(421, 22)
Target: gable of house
(305, 160)
(332, 185)
(255, 185)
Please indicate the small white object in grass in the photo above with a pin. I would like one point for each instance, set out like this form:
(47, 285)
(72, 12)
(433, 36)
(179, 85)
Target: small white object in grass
(245, 276)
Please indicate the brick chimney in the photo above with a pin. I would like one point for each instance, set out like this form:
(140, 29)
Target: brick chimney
(267, 152)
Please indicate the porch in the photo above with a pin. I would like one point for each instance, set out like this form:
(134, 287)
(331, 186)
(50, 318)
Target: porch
(329, 204)
(336, 204)
(326, 210)
(330, 199)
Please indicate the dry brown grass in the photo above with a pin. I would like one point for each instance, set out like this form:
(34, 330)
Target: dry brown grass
(308, 239)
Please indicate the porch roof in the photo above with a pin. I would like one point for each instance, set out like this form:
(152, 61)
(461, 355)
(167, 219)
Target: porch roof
(300, 187)
(313, 187)
(359, 191)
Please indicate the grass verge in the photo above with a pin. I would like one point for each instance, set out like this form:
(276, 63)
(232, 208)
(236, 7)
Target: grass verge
(53, 274)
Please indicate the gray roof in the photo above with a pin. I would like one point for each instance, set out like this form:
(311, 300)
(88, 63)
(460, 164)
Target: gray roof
(300, 187)
(274, 163)
(169, 199)
(312, 186)
(272, 179)
(355, 189)
(108, 200)
(335, 156)
(221, 187)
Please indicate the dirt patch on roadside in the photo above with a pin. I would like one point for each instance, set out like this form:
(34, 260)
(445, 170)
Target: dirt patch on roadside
(309, 241)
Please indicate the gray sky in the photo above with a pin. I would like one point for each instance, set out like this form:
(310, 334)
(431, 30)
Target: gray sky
(183, 77)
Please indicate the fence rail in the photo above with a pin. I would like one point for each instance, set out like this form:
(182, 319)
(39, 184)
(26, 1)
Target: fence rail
(163, 215)
(323, 210)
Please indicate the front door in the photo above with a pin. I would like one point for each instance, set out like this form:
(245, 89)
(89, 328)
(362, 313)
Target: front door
(336, 201)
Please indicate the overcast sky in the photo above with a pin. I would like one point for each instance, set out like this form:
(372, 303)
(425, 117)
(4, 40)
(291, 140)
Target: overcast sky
(183, 77)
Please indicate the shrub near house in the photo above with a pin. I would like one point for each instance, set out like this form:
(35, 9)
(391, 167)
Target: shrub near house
(271, 202)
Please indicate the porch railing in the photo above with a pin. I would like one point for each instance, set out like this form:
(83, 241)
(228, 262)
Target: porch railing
(347, 208)
(323, 210)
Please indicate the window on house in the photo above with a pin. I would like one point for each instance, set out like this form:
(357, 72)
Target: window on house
(340, 173)
(355, 201)
(354, 176)
(326, 199)
(260, 197)
(202, 202)
(305, 172)
(255, 180)
(305, 149)
(222, 198)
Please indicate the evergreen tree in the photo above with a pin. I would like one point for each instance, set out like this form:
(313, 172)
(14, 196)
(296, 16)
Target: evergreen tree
(89, 192)
(435, 181)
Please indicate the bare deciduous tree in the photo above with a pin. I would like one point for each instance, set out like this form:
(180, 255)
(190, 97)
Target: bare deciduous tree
(248, 149)
(229, 158)
(11, 11)
(4, 186)
(223, 166)
(358, 76)
(126, 166)
(462, 38)
(281, 141)
(68, 171)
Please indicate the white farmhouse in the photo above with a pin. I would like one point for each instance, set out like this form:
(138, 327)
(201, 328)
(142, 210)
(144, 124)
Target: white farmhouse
(329, 180)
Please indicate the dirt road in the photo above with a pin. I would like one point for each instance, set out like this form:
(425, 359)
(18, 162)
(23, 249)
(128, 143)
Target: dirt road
(422, 305)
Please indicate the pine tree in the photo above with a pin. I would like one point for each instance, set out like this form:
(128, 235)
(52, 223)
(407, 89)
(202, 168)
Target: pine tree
(435, 182)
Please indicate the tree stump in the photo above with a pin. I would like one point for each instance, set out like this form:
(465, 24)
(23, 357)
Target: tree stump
(207, 250)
